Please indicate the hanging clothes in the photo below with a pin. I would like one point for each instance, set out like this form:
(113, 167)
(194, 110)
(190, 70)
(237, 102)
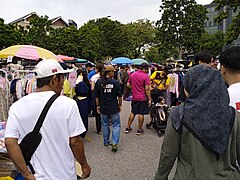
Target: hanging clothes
(4, 98)
(173, 84)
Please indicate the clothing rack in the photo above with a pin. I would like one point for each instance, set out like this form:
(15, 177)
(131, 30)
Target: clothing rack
(176, 70)
(21, 73)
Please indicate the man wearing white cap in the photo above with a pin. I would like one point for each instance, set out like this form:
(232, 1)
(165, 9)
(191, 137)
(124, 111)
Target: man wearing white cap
(61, 143)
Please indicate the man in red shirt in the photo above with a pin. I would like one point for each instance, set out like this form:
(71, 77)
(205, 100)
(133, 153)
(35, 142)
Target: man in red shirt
(139, 81)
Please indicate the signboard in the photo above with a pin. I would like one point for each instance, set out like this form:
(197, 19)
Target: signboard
(9, 59)
(72, 79)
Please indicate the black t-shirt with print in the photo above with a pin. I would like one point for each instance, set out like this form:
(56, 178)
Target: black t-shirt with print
(108, 95)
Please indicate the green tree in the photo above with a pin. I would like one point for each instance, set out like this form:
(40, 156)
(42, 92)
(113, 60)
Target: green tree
(65, 41)
(9, 35)
(139, 34)
(213, 42)
(233, 30)
(102, 38)
(113, 38)
(181, 25)
(90, 41)
(153, 55)
(38, 32)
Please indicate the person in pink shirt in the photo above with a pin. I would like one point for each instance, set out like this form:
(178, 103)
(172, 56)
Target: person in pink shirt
(139, 82)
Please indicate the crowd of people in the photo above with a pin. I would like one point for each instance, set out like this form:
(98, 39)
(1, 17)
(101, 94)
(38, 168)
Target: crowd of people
(203, 128)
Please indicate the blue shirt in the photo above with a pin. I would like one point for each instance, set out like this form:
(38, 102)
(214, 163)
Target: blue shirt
(91, 73)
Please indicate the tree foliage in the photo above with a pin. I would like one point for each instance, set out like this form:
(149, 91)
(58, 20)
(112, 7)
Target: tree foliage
(139, 34)
(89, 40)
(9, 35)
(102, 38)
(182, 23)
(233, 30)
(65, 41)
(37, 32)
(213, 42)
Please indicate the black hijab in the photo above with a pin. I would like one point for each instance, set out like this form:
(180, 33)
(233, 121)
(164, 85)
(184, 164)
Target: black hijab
(206, 112)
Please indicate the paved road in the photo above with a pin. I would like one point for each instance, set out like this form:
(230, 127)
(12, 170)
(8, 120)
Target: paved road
(137, 156)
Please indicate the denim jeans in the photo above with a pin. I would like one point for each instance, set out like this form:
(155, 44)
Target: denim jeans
(116, 126)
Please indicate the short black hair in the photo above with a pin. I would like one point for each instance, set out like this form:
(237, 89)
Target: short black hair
(46, 80)
(89, 65)
(160, 99)
(144, 66)
(43, 81)
(230, 58)
(203, 56)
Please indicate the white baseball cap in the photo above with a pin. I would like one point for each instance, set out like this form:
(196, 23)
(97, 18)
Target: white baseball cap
(49, 67)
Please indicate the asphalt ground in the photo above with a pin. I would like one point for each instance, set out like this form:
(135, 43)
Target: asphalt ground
(137, 156)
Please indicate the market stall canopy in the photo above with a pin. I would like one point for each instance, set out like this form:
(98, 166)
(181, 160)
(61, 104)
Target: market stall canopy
(76, 60)
(28, 52)
(121, 60)
(138, 61)
(65, 58)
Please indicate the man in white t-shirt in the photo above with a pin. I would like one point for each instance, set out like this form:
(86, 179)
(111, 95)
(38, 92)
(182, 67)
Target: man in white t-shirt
(61, 143)
(230, 68)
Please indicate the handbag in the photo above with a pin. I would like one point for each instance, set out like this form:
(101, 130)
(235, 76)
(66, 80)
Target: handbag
(31, 141)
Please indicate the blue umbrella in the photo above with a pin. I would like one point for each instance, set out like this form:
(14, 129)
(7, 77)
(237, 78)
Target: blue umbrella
(121, 60)
(138, 61)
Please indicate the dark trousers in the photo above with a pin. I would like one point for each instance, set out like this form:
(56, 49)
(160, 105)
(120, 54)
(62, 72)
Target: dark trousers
(96, 115)
(83, 110)
(126, 91)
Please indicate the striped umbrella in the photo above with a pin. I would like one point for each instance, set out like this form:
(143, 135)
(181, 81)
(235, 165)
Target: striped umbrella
(28, 52)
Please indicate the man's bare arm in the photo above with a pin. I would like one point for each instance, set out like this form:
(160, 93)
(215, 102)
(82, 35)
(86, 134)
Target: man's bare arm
(16, 156)
(77, 147)
(147, 89)
(129, 85)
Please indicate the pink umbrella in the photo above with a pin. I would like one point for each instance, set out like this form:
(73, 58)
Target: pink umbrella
(65, 58)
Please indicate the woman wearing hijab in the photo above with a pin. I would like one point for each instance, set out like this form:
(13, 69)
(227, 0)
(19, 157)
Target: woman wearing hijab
(203, 133)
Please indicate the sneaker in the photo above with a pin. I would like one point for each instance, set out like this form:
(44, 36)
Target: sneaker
(128, 130)
(106, 145)
(140, 131)
(114, 148)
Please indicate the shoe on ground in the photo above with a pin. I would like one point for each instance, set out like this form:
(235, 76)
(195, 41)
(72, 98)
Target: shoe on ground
(128, 130)
(140, 131)
(106, 145)
(114, 148)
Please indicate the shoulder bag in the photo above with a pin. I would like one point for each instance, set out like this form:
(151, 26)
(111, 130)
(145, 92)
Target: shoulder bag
(31, 141)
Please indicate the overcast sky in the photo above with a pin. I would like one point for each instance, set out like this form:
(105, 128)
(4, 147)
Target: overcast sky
(81, 11)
